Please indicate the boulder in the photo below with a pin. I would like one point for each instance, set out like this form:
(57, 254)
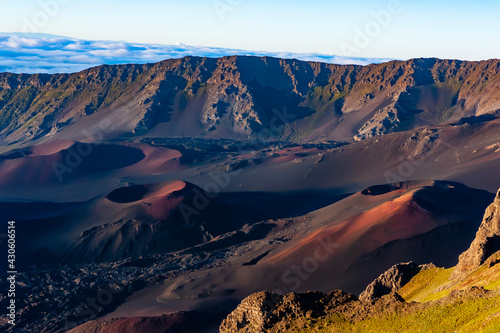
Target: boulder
(390, 281)
(486, 243)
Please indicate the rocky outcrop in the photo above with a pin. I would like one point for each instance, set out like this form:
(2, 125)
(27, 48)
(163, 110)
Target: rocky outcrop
(486, 243)
(390, 281)
(384, 121)
(255, 311)
(264, 310)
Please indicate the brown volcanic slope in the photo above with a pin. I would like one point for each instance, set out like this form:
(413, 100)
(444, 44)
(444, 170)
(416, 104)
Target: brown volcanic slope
(468, 153)
(129, 222)
(123, 200)
(236, 97)
(370, 230)
(175, 323)
(219, 259)
(150, 222)
(373, 229)
(405, 290)
(351, 242)
(69, 170)
(51, 163)
(140, 220)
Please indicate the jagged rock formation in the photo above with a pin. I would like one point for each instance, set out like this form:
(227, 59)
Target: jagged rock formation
(384, 121)
(263, 310)
(239, 97)
(390, 281)
(486, 243)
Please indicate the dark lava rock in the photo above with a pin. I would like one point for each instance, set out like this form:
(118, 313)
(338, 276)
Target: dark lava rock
(486, 243)
(390, 281)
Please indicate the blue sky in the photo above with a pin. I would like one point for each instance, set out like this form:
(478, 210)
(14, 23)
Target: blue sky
(398, 29)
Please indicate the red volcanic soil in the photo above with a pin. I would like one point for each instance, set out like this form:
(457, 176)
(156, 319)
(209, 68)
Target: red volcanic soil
(70, 161)
(357, 228)
(136, 220)
(161, 202)
(52, 171)
(156, 200)
(464, 153)
(401, 218)
(50, 148)
(167, 323)
(157, 161)
(127, 222)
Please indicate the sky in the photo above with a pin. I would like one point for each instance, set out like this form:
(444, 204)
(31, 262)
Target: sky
(41, 53)
(391, 29)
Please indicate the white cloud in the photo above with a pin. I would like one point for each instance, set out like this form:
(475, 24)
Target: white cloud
(111, 53)
(52, 54)
(74, 47)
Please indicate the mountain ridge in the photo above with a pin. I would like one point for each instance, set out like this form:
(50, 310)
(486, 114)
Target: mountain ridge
(240, 97)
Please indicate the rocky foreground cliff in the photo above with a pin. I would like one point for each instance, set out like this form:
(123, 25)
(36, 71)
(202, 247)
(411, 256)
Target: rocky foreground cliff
(486, 243)
(407, 296)
(244, 97)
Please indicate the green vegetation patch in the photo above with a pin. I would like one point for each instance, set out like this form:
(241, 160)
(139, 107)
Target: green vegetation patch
(476, 315)
(428, 285)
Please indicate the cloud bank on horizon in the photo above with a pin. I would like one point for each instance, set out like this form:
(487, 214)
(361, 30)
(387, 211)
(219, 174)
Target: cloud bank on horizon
(39, 53)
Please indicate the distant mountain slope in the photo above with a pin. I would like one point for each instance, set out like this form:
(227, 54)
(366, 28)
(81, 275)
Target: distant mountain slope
(241, 97)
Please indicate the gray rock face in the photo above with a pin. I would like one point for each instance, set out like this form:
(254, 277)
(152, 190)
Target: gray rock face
(384, 121)
(263, 310)
(254, 312)
(486, 243)
(390, 281)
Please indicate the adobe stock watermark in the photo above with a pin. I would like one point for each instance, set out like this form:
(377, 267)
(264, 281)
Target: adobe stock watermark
(76, 154)
(364, 36)
(408, 166)
(222, 7)
(48, 9)
(93, 306)
(404, 171)
(299, 273)
(220, 181)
